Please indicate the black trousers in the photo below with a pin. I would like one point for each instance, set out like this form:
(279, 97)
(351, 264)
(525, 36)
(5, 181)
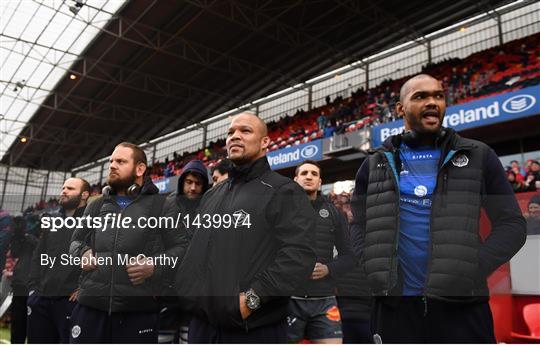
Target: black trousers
(48, 319)
(89, 325)
(18, 320)
(415, 320)
(356, 332)
(200, 331)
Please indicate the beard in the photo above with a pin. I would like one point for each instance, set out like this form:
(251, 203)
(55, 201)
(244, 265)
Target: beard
(70, 202)
(121, 183)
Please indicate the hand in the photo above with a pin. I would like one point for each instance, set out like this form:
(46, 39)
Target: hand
(320, 271)
(244, 310)
(73, 296)
(139, 272)
(87, 261)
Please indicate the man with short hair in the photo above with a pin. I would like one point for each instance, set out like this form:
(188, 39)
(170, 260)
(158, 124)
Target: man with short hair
(125, 263)
(52, 287)
(257, 248)
(313, 310)
(221, 171)
(416, 207)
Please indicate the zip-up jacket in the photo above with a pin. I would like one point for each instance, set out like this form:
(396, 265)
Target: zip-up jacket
(22, 246)
(268, 248)
(470, 177)
(108, 287)
(331, 230)
(58, 280)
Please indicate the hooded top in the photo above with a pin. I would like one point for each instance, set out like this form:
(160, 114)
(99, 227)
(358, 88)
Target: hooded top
(197, 167)
(190, 205)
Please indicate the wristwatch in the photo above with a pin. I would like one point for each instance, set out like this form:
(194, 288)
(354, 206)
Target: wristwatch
(253, 302)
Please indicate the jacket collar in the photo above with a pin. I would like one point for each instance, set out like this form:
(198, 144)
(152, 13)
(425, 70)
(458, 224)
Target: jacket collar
(250, 171)
(449, 141)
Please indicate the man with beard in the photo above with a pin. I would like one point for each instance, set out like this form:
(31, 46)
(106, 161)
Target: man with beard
(244, 267)
(416, 206)
(192, 184)
(313, 310)
(116, 300)
(52, 288)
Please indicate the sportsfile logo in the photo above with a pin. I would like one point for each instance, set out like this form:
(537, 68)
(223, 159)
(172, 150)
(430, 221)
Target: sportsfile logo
(519, 103)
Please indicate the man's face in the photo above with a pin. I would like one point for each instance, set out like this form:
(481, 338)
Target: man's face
(309, 178)
(71, 194)
(535, 167)
(122, 168)
(193, 186)
(217, 177)
(534, 210)
(246, 141)
(423, 106)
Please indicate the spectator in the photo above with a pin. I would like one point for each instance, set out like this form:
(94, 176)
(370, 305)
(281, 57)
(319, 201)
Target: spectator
(533, 221)
(517, 186)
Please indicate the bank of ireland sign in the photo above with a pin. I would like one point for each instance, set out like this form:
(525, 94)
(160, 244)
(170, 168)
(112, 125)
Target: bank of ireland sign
(500, 108)
(294, 155)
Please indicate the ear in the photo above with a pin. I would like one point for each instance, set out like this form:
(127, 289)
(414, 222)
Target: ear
(296, 179)
(140, 169)
(85, 196)
(399, 109)
(265, 142)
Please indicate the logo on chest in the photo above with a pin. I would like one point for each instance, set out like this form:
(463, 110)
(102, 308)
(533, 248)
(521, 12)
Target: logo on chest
(324, 213)
(460, 160)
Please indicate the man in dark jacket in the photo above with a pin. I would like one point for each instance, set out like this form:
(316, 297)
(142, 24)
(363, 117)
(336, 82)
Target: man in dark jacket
(192, 184)
(174, 313)
(246, 261)
(22, 245)
(52, 286)
(313, 310)
(416, 205)
(125, 263)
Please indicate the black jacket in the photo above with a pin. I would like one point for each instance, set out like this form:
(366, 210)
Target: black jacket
(22, 246)
(272, 255)
(108, 287)
(470, 177)
(331, 230)
(60, 280)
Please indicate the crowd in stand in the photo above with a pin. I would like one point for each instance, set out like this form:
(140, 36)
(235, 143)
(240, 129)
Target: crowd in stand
(526, 179)
(512, 66)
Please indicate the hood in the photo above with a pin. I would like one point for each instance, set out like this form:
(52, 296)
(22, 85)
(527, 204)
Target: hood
(197, 167)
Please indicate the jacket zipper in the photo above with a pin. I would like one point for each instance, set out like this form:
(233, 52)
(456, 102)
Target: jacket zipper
(396, 239)
(443, 203)
(113, 252)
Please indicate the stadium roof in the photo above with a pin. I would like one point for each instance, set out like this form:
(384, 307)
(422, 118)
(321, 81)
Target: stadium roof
(78, 77)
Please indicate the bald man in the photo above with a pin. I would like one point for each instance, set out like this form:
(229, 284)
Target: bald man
(416, 208)
(246, 261)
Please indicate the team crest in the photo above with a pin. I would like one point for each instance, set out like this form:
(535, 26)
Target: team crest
(324, 213)
(75, 331)
(460, 160)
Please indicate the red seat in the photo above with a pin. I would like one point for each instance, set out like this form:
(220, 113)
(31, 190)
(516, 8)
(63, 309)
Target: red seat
(531, 315)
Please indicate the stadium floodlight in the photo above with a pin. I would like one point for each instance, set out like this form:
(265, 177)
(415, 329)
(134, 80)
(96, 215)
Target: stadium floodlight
(77, 7)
